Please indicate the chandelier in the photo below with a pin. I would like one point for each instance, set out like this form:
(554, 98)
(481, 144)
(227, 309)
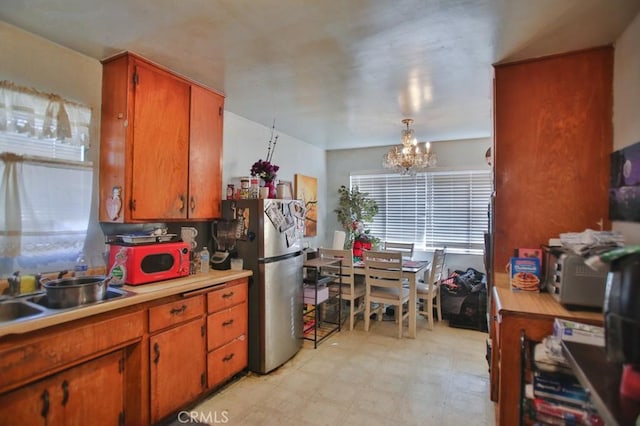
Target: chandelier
(409, 158)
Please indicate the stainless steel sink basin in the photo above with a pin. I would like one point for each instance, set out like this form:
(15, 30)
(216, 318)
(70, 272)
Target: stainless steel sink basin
(30, 307)
(15, 310)
(111, 293)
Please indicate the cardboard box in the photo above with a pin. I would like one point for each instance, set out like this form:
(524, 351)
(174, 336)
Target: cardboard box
(310, 294)
(525, 274)
(572, 331)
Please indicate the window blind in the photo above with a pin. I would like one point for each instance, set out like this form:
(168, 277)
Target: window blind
(431, 209)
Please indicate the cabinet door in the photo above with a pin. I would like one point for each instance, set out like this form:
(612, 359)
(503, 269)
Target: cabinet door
(553, 139)
(205, 154)
(36, 404)
(177, 360)
(160, 145)
(92, 393)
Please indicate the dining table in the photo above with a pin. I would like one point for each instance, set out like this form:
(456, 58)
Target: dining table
(412, 270)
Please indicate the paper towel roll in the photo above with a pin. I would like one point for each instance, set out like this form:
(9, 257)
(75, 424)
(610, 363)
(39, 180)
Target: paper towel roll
(338, 240)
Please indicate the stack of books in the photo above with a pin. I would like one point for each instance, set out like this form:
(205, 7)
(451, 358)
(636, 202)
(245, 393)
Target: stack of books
(555, 396)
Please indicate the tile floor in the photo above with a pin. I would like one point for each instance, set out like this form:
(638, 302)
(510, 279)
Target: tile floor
(357, 378)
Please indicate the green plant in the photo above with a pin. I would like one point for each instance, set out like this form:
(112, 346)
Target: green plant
(354, 209)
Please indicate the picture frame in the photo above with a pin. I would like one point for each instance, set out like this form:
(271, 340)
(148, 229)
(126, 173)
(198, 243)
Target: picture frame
(307, 191)
(624, 187)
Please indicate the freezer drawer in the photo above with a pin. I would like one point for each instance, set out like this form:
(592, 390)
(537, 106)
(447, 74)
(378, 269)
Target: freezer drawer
(280, 315)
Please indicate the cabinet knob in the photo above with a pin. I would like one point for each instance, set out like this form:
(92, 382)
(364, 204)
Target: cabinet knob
(181, 203)
(192, 204)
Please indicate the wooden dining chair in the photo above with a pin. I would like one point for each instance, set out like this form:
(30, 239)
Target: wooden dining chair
(429, 288)
(383, 279)
(352, 291)
(405, 248)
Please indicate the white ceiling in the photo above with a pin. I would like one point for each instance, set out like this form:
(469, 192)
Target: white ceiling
(337, 74)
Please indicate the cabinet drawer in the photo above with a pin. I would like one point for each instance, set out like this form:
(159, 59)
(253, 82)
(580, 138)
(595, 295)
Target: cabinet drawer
(169, 314)
(45, 354)
(233, 293)
(226, 361)
(226, 325)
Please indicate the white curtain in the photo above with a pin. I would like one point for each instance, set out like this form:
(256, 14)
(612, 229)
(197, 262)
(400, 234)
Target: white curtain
(45, 213)
(45, 182)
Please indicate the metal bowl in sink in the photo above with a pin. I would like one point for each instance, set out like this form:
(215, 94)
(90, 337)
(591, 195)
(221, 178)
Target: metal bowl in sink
(69, 292)
(12, 311)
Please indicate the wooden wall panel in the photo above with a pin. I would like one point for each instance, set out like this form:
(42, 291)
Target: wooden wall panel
(553, 138)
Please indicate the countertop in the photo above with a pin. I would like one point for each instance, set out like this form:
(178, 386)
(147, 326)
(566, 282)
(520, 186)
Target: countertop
(141, 293)
(532, 304)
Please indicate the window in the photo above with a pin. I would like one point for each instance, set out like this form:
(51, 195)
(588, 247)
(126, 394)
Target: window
(432, 209)
(45, 181)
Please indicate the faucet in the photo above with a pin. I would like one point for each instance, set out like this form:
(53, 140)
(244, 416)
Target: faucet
(14, 284)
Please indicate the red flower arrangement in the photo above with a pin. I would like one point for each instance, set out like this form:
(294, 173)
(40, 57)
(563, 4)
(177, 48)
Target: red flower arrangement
(264, 170)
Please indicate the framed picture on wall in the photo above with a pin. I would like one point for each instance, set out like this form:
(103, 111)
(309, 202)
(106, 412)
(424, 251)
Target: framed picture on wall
(307, 191)
(624, 189)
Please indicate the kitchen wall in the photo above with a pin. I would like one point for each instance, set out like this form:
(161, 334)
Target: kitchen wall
(626, 105)
(453, 154)
(246, 141)
(33, 61)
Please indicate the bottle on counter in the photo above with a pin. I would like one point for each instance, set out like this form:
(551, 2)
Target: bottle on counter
(81, 266)
(204, 260)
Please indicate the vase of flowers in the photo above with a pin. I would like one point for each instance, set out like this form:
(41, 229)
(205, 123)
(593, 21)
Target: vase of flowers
(266, 170)
(362, 239)
(355, 208)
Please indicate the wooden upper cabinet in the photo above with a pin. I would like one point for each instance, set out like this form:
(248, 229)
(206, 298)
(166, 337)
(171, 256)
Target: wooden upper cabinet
(553, 139)
(161, 144)
(205, 154)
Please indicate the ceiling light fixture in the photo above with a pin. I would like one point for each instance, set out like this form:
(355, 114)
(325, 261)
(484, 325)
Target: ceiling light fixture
(409, 158)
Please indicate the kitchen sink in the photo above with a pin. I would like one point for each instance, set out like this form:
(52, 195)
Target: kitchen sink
(16, 310)
(111, 293)
(28, 307)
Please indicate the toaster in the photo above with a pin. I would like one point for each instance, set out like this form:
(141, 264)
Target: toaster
(573, 283)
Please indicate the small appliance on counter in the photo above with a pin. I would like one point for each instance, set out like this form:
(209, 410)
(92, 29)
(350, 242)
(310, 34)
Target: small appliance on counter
(573, 283)
(147, 263)
(223, 232)
(622, 318)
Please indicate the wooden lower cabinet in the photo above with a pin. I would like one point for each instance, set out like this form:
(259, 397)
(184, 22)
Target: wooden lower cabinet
(177, 367)
(515, 314)
(91, 393)
(132, 366)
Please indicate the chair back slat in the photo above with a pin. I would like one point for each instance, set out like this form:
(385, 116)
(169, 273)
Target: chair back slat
(404, 248)
(334, 270)
(437, 267)
(383, 269)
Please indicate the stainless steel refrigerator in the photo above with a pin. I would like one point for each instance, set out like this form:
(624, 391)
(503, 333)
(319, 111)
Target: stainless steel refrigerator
(269, 241)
